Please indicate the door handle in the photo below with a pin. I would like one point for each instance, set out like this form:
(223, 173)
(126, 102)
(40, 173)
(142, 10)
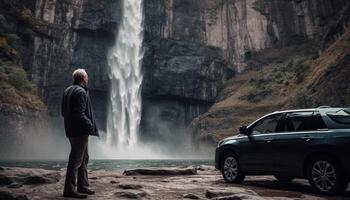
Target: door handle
(268, 140)
(306, 138)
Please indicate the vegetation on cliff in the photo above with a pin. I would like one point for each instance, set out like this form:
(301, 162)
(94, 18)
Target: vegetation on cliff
(288, 78)
(17, 29)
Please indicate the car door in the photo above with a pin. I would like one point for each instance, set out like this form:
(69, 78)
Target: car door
(300, 131)
(255, 150)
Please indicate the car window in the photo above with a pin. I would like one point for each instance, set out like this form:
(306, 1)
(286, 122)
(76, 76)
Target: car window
(266, 125)
(341, 116)
(302, 121)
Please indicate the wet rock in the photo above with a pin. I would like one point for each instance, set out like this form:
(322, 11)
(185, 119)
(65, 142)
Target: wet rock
(228, 198)
(191, 196)
(309, 197)
(241, 197)
(9, 196)
(206, 168)
(130, 186)
(130, 194)
(228, 192)
(5, 180)
(15, 185)
(161, 171)
(36, 179)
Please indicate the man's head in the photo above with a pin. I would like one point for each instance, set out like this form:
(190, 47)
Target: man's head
(80, 77)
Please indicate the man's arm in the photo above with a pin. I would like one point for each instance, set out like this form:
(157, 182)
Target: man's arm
(78, 111)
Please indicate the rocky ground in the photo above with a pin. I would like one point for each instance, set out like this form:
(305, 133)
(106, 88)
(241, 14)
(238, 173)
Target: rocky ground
(170, 183)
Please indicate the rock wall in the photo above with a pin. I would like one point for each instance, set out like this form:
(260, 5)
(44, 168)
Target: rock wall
(80, 33)
(239, 27)
(182, 75)
(191, 48)
(192, 45)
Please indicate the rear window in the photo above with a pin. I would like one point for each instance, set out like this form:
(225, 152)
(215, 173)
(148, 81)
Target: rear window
(341, 116)
(303, 121)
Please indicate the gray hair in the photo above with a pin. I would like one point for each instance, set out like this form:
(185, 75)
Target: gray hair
(78, 75)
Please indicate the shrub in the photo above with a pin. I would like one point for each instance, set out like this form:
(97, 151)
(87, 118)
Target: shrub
(15, 75)
(18, 78)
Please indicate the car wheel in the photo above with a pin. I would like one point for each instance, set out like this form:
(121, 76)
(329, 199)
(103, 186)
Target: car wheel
(231, 170)
(326, 176)
(284, 179)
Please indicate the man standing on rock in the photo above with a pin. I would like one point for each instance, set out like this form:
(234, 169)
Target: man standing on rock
(79, 123)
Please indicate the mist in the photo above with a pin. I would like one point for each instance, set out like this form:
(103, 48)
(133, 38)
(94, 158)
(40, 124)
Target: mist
(46, 140)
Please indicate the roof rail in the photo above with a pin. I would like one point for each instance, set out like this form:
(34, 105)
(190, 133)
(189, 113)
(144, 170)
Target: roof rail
(324, 107)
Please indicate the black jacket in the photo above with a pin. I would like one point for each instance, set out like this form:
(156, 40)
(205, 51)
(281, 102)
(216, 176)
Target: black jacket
(77, 111)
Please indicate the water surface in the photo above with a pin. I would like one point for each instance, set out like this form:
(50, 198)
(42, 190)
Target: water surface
(113, 165)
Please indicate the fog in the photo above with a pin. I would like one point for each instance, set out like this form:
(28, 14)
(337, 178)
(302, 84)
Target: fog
(47, 141)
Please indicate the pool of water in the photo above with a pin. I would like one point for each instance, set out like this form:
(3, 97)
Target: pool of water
(113, 165)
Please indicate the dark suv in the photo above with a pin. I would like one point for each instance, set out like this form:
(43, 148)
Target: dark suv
(307, 143)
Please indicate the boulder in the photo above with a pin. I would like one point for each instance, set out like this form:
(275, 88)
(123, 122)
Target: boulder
(228, 192)
(15, 185)
(5, 180)
(241, 197)
(232, 197)
(191, 196)
(161, 171)
(130, 186)
(206, 168)
(130, 194)
(9, 196)
(37, 179)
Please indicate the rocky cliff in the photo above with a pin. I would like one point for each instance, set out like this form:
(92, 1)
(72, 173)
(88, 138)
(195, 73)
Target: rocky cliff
(194, 46)
(81, 33)
(306, 75)
(240, 27)
(21, 109)
(193, 49)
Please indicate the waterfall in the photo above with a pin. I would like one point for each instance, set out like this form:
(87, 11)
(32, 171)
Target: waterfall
(125, 75)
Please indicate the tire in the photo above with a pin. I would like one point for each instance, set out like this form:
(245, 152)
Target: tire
(284, 179)
(326, 176)
(230, 169)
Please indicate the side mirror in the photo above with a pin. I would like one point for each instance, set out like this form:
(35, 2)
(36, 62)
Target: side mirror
(243, 130)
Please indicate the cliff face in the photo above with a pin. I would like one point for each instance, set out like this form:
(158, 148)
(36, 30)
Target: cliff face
(192, 45)
(192, 48)
(304, 75)
(240, 27)
(182, 74)
(21, 109)
(80, 34)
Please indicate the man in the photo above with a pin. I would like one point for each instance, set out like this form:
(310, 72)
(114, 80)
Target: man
(79, 123)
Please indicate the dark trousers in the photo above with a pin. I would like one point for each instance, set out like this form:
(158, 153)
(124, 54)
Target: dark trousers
(77, 165)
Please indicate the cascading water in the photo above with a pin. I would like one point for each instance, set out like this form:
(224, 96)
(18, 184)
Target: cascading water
(124, 115)
(126, 78)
